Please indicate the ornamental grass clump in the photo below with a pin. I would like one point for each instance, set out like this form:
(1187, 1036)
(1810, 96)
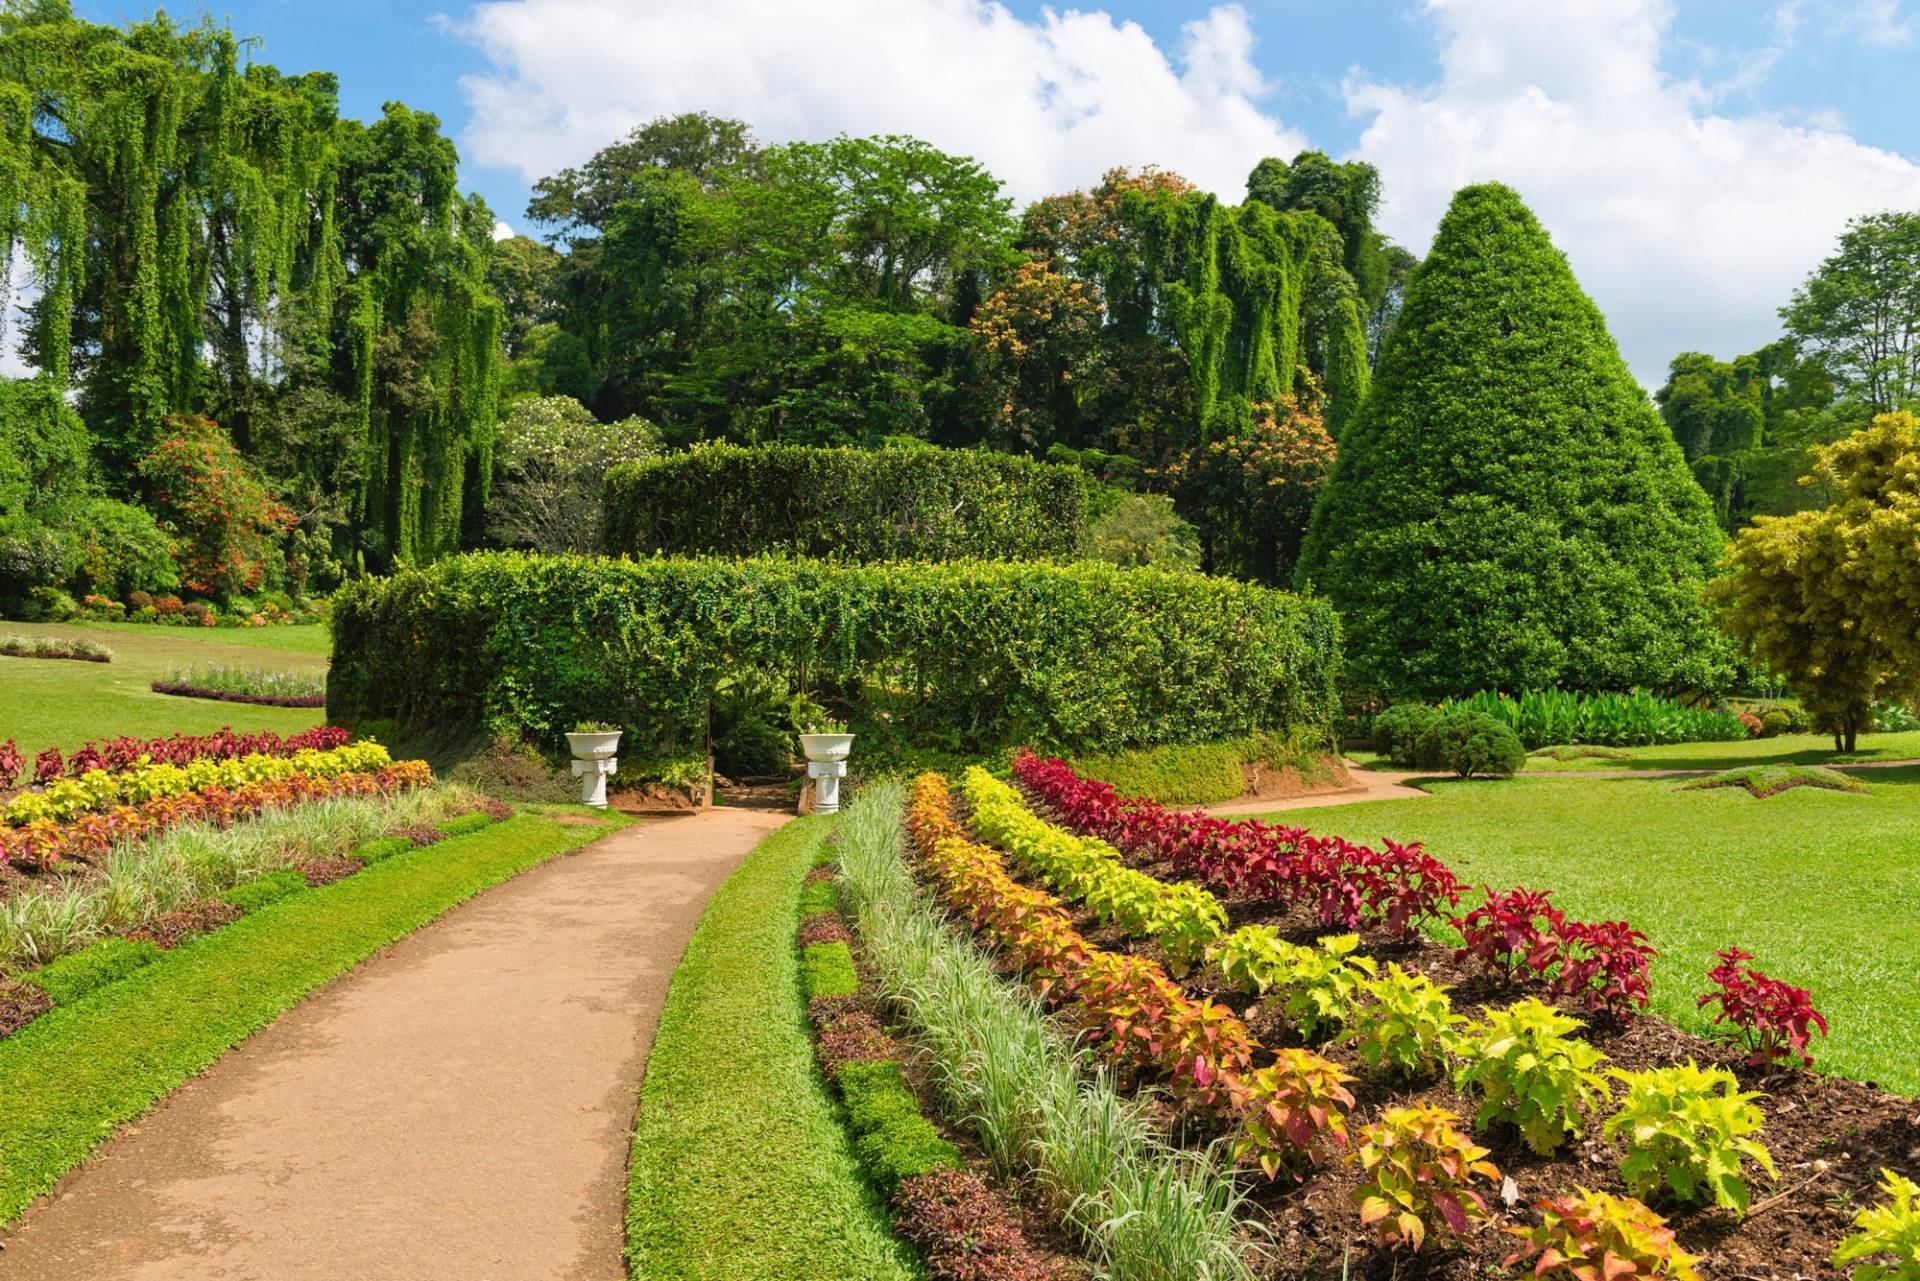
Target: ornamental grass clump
(1686, 1132)
(1531, 1072)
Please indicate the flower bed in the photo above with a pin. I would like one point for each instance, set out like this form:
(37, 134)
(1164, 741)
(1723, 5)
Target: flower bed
(54, 647)
(187, 690)
(1384, 1023)
(124, 752)
(235, 684)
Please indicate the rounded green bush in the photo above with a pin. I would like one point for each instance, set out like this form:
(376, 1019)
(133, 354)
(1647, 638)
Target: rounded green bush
(1397, 731)
(1471, 744)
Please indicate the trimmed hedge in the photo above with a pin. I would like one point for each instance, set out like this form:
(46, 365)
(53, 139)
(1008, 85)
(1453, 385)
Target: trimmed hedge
(845, 504)
(466, 824)
(71, 977)
(274, 886)
(826, 969)
(964, 657)
(892, 1140)
(382, 847)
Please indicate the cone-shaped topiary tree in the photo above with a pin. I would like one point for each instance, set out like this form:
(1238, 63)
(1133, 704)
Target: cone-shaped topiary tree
(1508, 511)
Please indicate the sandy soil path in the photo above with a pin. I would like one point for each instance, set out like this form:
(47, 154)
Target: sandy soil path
(456, 1108)
(1368, 785)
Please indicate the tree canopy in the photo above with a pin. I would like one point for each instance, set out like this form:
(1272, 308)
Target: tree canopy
(1830, 599)
(1507, 510)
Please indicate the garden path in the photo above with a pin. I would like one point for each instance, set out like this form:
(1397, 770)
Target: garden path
(457, 1107)
(1368, 785)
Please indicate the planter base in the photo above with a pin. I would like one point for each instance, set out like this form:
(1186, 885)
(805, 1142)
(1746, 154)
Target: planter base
(826, 776)
(593, 780)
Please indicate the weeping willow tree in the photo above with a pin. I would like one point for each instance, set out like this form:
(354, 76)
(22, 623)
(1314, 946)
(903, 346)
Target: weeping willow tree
(205, 235)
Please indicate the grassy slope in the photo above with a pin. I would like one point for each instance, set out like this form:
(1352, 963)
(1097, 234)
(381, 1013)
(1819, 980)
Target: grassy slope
(69, 1078)
(1822, 886)
(56, 703)
(1787, 749)
(741, 1172)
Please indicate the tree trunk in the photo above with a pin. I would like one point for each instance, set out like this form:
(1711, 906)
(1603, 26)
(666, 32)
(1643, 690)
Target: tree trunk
(1851, 731)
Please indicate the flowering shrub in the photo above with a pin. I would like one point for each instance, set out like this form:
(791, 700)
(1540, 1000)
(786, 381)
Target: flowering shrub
(1592, 1235)
(225, 523)
(1292, 1112)
(1419, 1169)
(1530, 1072)
(1887, 1246)
(1776, 1019)
(1686, 1130)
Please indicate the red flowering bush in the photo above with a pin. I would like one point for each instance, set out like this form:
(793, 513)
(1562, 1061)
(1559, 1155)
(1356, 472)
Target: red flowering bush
(1774, 1018)
(225, 523)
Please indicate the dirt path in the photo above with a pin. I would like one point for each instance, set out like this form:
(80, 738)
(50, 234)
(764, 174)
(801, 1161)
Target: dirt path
(456, 1108)
(1369, 785)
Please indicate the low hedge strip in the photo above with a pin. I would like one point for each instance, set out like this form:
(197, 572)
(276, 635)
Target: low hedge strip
(73, 976)
(465, 824)
(262, 890)
(845, 504)
(826, 969)
(382, 847)
(819, 896)
(967, 657)
(891, 1139)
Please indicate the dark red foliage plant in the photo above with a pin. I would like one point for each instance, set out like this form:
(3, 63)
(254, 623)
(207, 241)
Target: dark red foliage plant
(11, 763)
(1603, 967)
(966, 1230)
(48, 765)
(1512, 931)
(1775, 1019)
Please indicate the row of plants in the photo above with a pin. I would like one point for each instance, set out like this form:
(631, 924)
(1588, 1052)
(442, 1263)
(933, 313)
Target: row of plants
(965, 1228)
(179, 901)
(233, 683)
(1043, 1110)
(1684, 1131)
(84, 651)
(1638, 718)
(125, 752)
(161, 871)
(266, 609)
(1292, 1114)
(65, 799)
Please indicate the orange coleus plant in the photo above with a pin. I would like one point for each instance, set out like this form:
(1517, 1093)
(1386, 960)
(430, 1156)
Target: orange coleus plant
(1592, 1236)
(1292, 1112)
(1420, 1168)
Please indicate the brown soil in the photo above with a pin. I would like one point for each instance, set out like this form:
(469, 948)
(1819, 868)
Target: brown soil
(20, 1004)
(1264, 782)
(761, 793)
(651, 798)
(1830, 1137)
(170, 929)
(457, 1107)
(325, 871)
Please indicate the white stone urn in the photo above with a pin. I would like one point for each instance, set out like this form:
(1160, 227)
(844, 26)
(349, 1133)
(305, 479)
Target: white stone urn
(594, 763)
(826, 765)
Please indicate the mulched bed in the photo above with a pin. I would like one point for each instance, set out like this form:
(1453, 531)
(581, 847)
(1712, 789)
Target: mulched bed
(325, 871)
(423, 834)
(20, 1004)
(824, 927)
(10, 651)
(170, 929)
(184, 690)
(1830, 1137)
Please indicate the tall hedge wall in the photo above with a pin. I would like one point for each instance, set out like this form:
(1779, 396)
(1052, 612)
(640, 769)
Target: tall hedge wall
(967, 656)
(845, 504)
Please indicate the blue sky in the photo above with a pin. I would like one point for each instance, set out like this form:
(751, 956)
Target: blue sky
(1695, 159)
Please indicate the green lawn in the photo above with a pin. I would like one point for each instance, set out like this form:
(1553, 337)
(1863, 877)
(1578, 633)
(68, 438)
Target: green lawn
(58, 703)
(741, 1171)
(1787, 749)
(70, 1077)
(1823, 887)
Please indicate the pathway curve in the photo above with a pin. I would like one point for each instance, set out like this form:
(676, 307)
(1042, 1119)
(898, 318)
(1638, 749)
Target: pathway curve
(1368, 785)
(458, 1107)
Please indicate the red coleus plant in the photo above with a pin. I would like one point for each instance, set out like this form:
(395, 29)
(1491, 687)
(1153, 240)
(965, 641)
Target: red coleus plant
(1775, 1019)
(11, 763)
(1512, 931)
(48, 765)
(1603, 966)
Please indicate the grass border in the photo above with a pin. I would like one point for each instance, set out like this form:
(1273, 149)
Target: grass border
(740, 1167)
(70, 1078)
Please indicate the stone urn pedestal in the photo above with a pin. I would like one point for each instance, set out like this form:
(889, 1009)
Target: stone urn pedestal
(594, 763)
(826, 765)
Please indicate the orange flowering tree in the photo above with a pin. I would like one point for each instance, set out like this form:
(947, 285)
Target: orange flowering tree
(225, 523)
(1251, 489)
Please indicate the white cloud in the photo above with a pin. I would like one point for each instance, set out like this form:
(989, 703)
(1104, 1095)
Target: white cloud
(1879, 22)
(501, 231)
(1046, 105)
(1687, 226)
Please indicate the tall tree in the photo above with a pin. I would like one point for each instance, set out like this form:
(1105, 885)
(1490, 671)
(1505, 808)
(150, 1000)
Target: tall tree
(1858, 315)
(1507, 510)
